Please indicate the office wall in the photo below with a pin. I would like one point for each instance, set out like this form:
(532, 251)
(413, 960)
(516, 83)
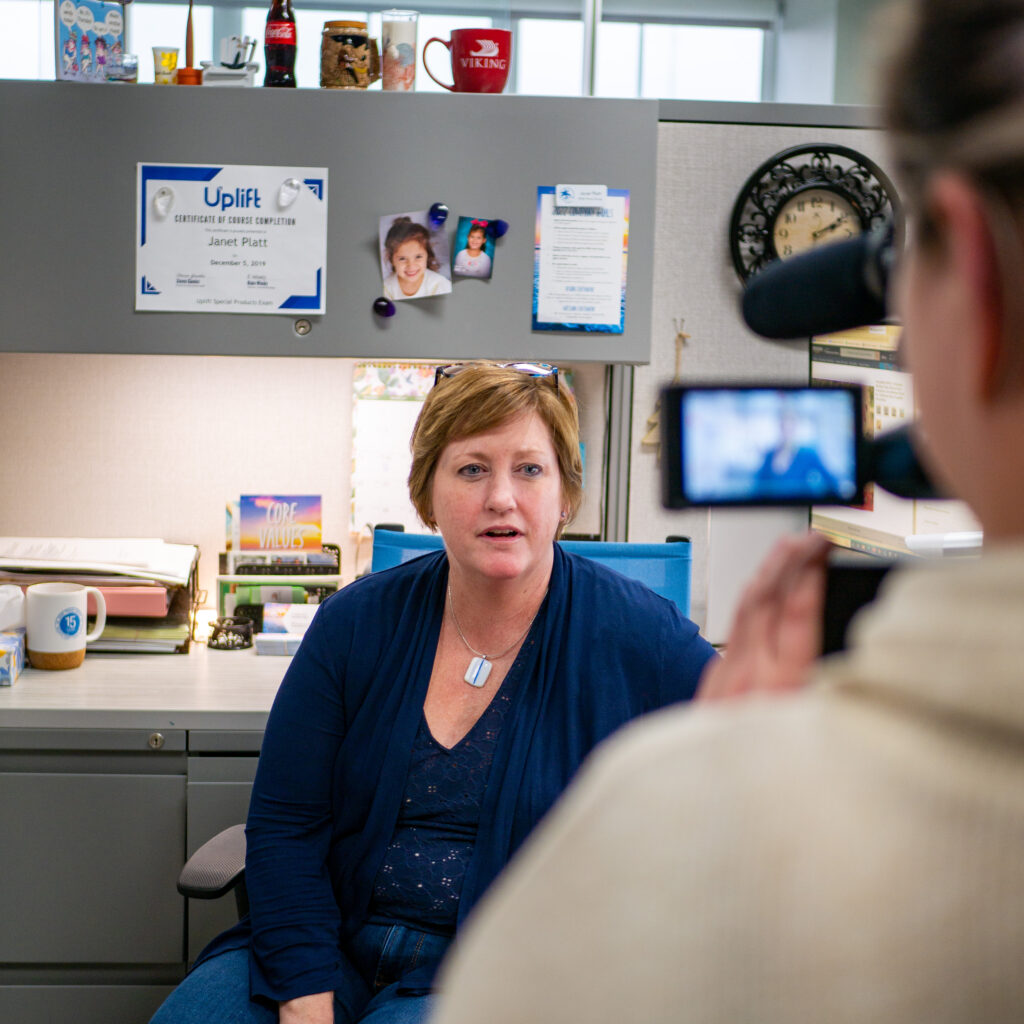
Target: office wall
(153, 446)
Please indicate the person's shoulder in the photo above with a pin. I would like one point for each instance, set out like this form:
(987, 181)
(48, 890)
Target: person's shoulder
(752, 733)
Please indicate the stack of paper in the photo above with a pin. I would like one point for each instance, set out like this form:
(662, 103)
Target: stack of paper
(150, 584)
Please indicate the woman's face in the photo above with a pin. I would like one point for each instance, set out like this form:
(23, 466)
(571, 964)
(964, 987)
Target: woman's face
(497, 500)
(410, 261)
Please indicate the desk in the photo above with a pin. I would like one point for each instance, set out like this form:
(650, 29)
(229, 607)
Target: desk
(110, 775)
(201, 690)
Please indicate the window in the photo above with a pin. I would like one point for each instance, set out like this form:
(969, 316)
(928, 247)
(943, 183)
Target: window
(152, 25)
(663, 55)
(548, 57)
(701, 62)
(309, 24)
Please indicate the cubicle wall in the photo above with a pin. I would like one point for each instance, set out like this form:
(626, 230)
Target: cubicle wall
(705, 154)
(68, 157)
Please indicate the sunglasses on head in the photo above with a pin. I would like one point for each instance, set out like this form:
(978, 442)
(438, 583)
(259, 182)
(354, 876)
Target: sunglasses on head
(530, 369)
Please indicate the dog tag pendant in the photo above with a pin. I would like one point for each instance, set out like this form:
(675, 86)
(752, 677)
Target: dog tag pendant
(478, 671)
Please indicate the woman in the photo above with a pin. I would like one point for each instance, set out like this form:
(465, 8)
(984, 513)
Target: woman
(791, 466)
(434, 712)
(860, 841)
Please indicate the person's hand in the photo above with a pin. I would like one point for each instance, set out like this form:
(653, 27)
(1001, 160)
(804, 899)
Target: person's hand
(777, 631)
(314, 1009)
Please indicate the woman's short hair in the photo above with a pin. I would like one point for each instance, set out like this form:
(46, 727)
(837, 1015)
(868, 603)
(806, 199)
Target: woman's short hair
(954, 101)
(479, 398)
(405, 229)
(953, 97)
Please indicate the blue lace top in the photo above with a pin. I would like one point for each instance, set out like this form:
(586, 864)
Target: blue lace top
(420, 879)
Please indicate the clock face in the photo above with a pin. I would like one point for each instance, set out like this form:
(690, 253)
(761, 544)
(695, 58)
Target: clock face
(804, 197)
(813, 217)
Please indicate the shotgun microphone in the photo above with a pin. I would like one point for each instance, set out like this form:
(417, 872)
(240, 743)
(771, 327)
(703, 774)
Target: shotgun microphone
(828, 289)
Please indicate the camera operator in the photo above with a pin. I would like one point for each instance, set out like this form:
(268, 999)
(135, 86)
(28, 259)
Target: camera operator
(846, 844)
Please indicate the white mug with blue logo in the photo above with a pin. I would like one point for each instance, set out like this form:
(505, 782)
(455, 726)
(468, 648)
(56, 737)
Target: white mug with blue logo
(55, 615)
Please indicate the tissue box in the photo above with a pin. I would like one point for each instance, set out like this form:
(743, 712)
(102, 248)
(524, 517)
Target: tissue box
(12, 655)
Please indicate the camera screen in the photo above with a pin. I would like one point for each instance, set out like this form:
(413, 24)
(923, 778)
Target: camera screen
(764, 445)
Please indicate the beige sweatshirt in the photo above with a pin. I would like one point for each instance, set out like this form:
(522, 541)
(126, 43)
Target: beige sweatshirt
(851, 854)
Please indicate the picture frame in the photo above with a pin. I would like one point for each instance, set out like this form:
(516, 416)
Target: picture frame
(89, 37)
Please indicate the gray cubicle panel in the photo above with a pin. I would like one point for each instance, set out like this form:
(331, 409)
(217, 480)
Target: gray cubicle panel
(68, 156)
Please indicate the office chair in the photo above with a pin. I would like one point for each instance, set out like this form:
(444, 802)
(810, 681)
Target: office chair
(218, 866)
(665, 567)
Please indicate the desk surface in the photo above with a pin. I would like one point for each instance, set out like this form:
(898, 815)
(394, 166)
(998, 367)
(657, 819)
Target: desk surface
(203, 689)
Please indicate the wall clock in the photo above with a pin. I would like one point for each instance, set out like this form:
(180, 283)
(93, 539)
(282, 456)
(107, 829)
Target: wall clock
(804, 197)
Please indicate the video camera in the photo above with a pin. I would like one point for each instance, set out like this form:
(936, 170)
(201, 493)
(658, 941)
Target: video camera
(770, 444)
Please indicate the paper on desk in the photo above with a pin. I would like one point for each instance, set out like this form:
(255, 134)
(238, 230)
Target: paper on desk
(152, 558)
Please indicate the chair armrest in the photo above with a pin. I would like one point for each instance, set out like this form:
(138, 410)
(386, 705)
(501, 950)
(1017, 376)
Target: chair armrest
(216, 867)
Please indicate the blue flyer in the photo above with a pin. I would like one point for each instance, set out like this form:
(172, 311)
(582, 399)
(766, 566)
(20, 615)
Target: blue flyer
(581, 245)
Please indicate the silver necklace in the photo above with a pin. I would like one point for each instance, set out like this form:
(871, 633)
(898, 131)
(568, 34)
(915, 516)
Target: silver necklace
(480, 667)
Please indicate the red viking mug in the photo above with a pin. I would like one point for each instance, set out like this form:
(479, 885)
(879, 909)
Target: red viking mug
(480, 59)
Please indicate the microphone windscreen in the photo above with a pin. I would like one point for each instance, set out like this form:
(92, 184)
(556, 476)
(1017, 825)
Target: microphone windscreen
(817, 292)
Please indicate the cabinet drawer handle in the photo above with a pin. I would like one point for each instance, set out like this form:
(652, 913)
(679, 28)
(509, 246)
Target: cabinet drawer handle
(156, 740)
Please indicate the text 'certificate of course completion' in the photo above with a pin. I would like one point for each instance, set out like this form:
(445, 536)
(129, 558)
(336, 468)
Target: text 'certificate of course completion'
(230, 239)
(580, 250)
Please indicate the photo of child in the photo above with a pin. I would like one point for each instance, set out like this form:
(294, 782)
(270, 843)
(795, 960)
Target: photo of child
(414, 259)
(474, 248)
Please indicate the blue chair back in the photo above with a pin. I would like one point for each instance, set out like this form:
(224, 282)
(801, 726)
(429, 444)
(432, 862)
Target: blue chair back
(665, 568)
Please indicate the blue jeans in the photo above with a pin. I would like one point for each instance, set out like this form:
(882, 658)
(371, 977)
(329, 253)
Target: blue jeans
(217, 991)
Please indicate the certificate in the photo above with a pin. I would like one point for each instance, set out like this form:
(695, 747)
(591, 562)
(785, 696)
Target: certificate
(580, 250)
(230, 239)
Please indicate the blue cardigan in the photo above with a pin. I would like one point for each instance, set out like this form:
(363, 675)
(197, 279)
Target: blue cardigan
(336, 752)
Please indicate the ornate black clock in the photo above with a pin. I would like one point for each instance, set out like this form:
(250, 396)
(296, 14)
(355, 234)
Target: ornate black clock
(803, 197)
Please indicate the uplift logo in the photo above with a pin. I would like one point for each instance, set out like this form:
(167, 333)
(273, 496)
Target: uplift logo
(241, 197)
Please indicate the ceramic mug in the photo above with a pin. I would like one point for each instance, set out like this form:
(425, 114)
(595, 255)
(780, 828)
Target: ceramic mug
(55, 623)
(480, 58)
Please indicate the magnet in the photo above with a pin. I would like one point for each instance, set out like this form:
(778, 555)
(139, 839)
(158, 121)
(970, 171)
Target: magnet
(163, 200)
(437, 215)
(288, 192)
